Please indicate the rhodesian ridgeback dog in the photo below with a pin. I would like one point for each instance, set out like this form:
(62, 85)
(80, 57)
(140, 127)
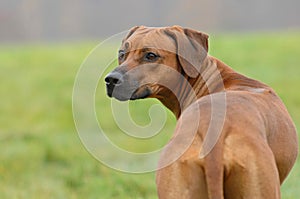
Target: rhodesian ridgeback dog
(257, 145)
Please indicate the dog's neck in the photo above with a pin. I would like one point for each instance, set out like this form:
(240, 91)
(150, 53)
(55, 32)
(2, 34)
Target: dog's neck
(215, 76)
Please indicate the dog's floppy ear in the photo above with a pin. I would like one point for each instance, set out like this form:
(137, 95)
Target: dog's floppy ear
(131, 31)
(192, 48)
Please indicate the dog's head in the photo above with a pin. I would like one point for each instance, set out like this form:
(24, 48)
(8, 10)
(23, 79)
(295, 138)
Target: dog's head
(148, 58)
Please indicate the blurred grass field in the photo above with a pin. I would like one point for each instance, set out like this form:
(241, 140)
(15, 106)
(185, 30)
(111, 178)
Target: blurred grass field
(41, 153)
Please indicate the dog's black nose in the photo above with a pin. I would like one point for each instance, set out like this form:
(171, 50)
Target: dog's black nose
(114, 79)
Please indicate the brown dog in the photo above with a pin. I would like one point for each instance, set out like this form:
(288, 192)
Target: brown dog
(257, 145)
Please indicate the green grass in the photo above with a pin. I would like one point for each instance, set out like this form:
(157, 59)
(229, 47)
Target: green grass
(41, 153)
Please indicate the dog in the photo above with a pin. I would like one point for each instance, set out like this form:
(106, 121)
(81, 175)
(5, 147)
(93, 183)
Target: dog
(257, 144)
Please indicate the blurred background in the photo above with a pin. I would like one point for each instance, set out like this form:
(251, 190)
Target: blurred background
(42, 45)
(56, 20)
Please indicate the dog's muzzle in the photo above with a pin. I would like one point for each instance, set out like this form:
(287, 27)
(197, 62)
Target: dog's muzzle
(112, 80)
(117, 87)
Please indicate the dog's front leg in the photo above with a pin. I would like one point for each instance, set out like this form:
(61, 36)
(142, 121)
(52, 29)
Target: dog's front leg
(182, 179)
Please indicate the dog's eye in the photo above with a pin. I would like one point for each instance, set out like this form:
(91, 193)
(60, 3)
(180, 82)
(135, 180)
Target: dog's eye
(151, 56)
(121, 55)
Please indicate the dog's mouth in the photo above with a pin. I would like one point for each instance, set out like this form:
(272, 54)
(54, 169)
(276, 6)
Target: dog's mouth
(123, 93)
(141, 93)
